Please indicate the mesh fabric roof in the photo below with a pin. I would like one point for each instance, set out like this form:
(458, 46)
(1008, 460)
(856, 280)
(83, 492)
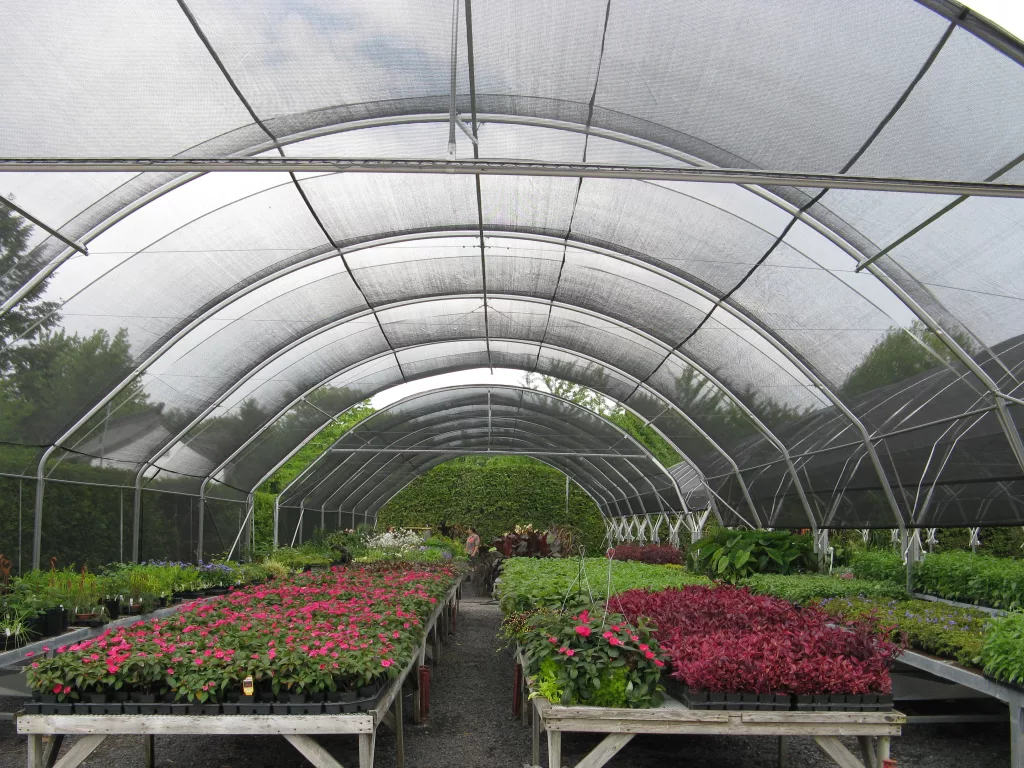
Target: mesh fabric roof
(256, 305)
(382, 454)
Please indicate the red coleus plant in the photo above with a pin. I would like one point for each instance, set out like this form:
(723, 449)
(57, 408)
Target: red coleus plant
(311, 633)
(727, 640)
(656, 554)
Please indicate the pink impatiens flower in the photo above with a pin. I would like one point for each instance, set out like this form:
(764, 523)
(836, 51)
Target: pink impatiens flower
(583, 630)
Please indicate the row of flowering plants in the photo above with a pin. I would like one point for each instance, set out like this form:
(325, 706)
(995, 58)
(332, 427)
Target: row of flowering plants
(312, 636)
(592, 658)
(727, 646)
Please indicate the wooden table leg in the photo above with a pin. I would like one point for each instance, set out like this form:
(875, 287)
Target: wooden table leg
(868, 749)
(535, 730)
(554, 749)
(51, 750)
(366, 744)
(883, 750)
(313, 752)
(606, 750)
(1016, 734)
(150, 754)
(783, 749)
(80, 750)
(399, 732)
(35, 750)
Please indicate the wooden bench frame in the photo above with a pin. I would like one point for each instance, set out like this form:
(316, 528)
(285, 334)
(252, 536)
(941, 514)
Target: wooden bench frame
(872, 729)
(299, 730)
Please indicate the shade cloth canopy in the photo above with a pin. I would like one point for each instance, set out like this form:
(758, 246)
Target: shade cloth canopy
(828, 351)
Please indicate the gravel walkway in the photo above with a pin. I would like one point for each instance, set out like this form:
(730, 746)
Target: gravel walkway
(471, 726)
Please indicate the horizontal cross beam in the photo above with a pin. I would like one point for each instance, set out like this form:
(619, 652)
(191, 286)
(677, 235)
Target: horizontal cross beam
(493, 452)
(513, 168)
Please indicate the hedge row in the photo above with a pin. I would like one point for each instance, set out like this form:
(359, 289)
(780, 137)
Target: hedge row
(494, 495)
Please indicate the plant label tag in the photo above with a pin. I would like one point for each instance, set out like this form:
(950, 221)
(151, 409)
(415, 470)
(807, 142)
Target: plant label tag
(247, 686)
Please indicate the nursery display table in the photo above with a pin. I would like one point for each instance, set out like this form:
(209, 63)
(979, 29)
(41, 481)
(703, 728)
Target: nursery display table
(299, 730)
(873, 729)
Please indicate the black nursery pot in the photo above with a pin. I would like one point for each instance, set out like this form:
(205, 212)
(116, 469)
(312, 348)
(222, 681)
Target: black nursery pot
(54, 621)
(113, 608)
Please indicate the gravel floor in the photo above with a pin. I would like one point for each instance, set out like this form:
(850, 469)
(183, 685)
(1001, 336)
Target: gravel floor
(471, 725)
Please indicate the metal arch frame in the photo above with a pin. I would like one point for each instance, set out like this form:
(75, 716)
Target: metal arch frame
(578, 355)
(592, 476)
(584, 457)
(226, 301)
(646, 266)
(1005, 421)
(669, 406)
(399, 453)
(726, 390)
(428, 466)
(325, 329)
(623, 435)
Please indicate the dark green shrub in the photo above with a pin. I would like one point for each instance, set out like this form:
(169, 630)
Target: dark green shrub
(876, 565)
(734, 555)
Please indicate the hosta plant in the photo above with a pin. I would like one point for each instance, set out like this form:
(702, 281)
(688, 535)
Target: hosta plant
(733, 555)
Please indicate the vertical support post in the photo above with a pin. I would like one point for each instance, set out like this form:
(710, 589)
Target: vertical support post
(535, 732)
(783, 750)
(1016, 732)
(911, 545)
(566, 497)
(353, 519)
(37, 530)
(399, 731)
(120, 527)
(202, 521)
(554, 749)
(821, 549)
(19, 527)
(35, 750)
(137, 518)
(150, 754)
(277, 515)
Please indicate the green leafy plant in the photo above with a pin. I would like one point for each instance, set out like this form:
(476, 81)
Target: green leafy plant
(734, 555)
(806, 588)
(1002, 655)
(944, 630)
(529, 583)
(970, 578)
(875, 565)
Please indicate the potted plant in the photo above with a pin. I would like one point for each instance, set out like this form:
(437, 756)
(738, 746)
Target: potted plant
(14, 629)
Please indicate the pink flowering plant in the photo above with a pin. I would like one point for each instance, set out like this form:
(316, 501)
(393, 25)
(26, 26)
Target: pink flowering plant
(592, 658)
(312, 633)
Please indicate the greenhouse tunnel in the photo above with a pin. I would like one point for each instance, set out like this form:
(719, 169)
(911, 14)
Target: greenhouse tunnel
(382, 454)
(799, 280)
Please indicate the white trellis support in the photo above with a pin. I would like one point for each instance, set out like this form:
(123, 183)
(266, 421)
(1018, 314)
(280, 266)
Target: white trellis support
(609, 532)
(674, 525)
(641, 530)
(894, 537)
(697, 522)
(656, 522)
(931, 539)
(865, 534)
(825, 551)
(975, 540)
